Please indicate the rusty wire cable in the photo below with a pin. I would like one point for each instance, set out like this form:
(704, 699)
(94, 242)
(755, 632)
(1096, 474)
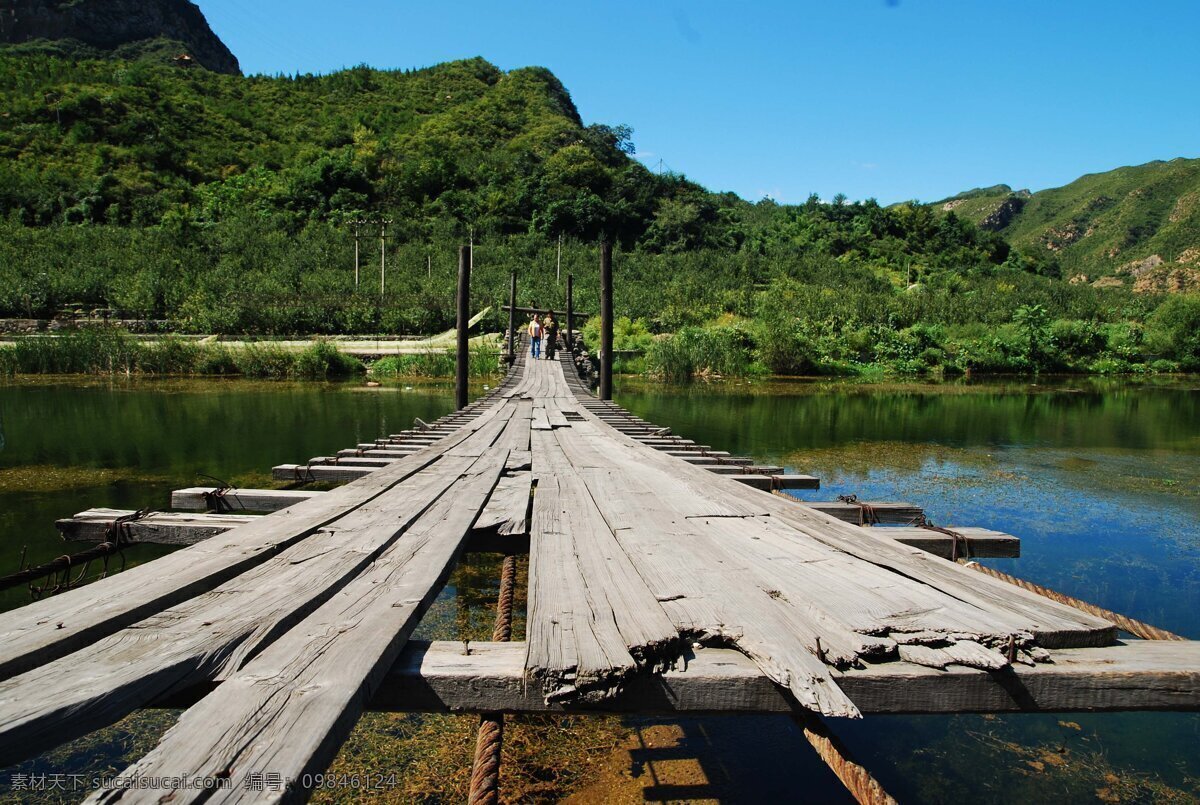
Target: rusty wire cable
(1124, 622)
(868, 515)
(117, 538)
(489, 740)
(865, 789)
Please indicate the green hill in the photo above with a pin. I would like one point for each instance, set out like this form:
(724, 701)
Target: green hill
(164, 31)
(226, 204)
(1137, 226)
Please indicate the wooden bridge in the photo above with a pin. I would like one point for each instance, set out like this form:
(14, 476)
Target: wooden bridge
(656, 585)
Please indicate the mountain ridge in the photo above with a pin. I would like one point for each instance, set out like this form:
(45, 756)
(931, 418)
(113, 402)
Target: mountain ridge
(160, 30)
(1135, 225)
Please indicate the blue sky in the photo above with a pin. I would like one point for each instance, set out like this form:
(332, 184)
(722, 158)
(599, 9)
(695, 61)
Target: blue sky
(892, 99)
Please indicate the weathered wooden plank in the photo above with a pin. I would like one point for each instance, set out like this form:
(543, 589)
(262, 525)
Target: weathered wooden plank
(989, 610)
(885, 512)
(766, 478)
(318, 472)
(743, 469)
(351, 461)
(491, 533)
(795, 481)
(196, 498)
(507, 511)
(1054, 625)
(592, 621)
(1139, 675)
(375, 452)
(983, 543)
(211, 635)
(556, 419)
(519, 460)
(51, 628)
(289, 709)
(158, 528)
(706, 596)
(755, 480)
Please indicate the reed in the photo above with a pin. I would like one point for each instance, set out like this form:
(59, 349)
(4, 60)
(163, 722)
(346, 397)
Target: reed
(481, 362)
(103, 350)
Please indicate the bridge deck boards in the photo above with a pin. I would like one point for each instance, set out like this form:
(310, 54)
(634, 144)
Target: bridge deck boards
(290, 707)
(1138, 675)
(635, 555)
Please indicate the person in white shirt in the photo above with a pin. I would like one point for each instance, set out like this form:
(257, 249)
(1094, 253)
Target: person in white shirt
(535, 337)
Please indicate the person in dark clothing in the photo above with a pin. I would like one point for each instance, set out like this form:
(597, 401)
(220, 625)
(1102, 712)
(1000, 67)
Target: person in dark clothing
(550, 328)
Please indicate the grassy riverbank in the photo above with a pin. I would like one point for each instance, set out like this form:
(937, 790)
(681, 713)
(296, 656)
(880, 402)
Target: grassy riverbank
(788, 334)
(108, 351)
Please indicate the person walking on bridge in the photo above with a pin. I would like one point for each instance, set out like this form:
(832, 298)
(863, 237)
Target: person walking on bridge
(535, 337)
(550, 334)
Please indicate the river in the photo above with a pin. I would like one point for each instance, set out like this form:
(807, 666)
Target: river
(1100, 479)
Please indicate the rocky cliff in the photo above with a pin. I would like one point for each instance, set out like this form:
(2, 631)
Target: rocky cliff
(122, 27)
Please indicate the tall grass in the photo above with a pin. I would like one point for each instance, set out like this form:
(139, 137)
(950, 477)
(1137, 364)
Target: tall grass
(724, 350)
(481, 362)
(102, 350)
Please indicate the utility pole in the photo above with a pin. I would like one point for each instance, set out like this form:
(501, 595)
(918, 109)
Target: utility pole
(558, 272)
(471, 249)
(383, 225)
(356, 223)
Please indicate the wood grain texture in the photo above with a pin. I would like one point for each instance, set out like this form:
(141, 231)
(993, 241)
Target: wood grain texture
(289, 709)
(158, 528)
(196, 498)
(637, 557)
(51, 628)
(1139, 675)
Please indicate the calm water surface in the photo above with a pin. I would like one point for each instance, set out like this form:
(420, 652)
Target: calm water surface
(1100, 480)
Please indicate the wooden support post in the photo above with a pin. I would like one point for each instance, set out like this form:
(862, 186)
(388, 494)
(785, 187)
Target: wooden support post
(512, 317)
(464, 316)
(606, 320)
(570, 341)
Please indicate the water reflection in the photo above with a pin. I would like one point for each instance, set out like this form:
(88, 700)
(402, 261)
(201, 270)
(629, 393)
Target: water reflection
(1102, 483)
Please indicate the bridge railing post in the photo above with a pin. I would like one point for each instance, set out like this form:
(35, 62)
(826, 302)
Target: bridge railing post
(512, 317)
(569, 343)
(606, 320)
(462, 357)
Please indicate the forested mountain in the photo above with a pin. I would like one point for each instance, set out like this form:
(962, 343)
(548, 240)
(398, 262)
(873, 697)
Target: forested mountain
(124, 152)
(227, 204)
(1137, 226)
(158, 30)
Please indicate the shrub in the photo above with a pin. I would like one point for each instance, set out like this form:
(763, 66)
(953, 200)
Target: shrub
(702, 350)
(784, 350)
(215, 359)
(170, 356)
(323, 360)
(482, 362)
(1174, 330)
(264, 360)
(1077, 339)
